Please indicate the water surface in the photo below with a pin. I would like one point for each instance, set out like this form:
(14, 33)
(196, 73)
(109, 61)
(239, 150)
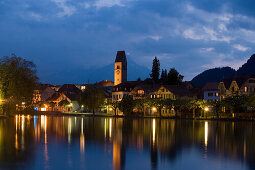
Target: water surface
(62, 142)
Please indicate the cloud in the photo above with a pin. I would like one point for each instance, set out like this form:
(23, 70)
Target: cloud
(223, 60)
(210, 49)
(206, 34)
(35, 16)
(240, 47)
(66, 9)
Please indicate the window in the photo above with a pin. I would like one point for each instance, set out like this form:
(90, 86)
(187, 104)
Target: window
(83, 87)
(140, 92)
(118, 67)
(251, 81)
(217, 94)
(163, 90)
(245, 89)
(210, 94)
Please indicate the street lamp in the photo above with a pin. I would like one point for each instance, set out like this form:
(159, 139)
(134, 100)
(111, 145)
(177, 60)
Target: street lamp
(206, 110)
(154, 109)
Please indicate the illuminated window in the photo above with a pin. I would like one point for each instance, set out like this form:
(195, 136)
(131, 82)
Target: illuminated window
(245, 89)
(83, 87)
(216, 94)
(140, 92)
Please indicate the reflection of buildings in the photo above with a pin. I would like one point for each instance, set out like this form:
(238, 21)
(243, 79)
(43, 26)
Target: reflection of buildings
(161, 139)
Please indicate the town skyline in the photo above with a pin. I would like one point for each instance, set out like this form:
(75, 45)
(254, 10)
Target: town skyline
(61, 35)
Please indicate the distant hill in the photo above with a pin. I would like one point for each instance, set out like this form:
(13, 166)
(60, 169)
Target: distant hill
(248, 67)
(213, 75)
(83, 75)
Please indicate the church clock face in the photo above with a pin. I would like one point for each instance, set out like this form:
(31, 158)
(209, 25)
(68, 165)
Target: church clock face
(118, 72)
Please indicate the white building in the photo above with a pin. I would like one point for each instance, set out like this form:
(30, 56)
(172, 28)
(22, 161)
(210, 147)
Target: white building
(211, 91)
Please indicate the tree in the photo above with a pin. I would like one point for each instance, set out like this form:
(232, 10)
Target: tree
(159, 104)
(251, 102)
(163, 77)
(174, 77)
(127, 105)
(197, 105)
(217, 105)
(115, 106)
(17, 81)
(180, 105)
(92, 98)
(155, 72)
(236, 104)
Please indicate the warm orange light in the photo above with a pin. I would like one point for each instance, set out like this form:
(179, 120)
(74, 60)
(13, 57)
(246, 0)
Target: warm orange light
(206, 109)
(154, 109)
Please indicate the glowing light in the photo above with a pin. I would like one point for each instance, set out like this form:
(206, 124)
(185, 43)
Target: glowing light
(110, 109)
(16, 122)
(206, 109)
(154, 109)
(69, 129)
(43, 109)
(82, 138)
(153, 131)
(110, 129)
(206, 133)
(23, 103)
(22, 123)
(105, 128)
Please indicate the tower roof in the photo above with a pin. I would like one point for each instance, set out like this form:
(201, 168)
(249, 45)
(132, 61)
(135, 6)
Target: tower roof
(121, 56)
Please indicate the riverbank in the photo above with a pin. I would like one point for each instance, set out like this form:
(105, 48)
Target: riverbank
(237, 117)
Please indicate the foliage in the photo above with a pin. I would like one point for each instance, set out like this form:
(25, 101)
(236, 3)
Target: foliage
(127, 105)
(115, 106)
(251, 102)
(92, 98)
(173, 77)
(163, 77)
(17, 81)
(216, 106)
(235, 104)
(155, 70)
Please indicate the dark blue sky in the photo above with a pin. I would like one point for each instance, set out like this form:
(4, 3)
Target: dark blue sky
(70, 34)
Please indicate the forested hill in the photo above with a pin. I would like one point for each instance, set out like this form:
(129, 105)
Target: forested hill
(217, 74)
(213, 75)
(248, 67)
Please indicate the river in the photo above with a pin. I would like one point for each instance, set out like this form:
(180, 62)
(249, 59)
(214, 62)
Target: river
(63, 142)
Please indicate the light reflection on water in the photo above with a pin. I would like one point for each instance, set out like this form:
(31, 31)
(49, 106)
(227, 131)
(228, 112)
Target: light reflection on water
(57, 142)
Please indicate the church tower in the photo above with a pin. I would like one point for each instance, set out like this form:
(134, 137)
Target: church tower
(120, 68)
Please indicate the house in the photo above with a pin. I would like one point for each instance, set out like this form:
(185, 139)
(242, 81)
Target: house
(238, 85)
(175, 92)
(123, 89)
(211, 91)
(42, 93)
(54, 103)
(71, 92)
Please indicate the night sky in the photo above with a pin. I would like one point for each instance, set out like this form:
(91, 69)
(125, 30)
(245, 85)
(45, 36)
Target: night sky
(191, 36)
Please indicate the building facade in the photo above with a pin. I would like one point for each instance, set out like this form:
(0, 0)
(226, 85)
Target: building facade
(211, 91)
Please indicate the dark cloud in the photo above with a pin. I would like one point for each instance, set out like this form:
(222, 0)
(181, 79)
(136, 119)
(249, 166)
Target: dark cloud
(188, 35)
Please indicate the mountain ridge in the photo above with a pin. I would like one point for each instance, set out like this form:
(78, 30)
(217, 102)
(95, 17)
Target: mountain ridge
(217, 74)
